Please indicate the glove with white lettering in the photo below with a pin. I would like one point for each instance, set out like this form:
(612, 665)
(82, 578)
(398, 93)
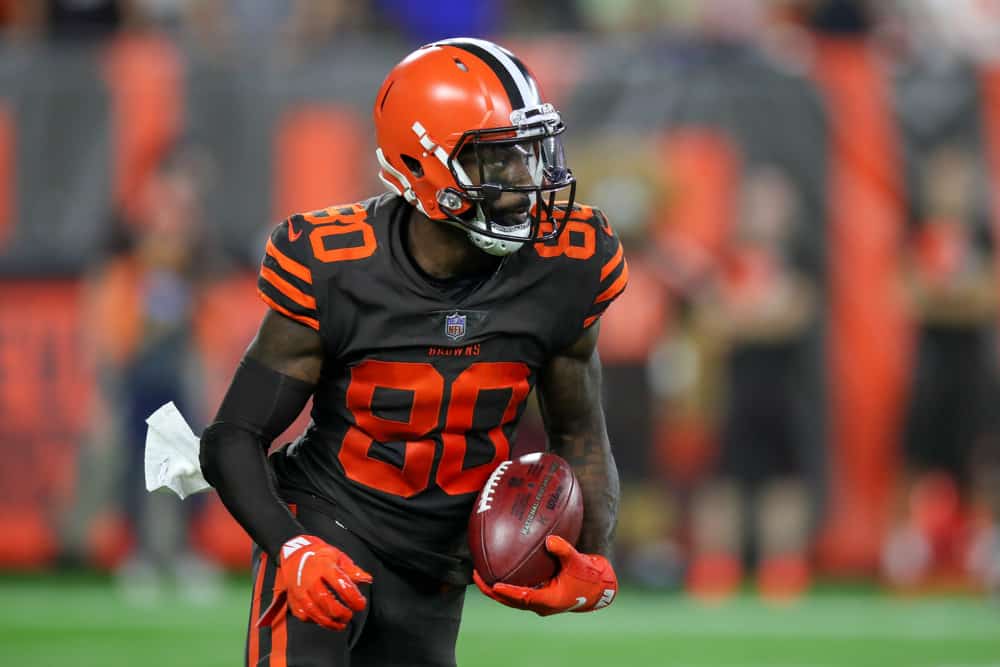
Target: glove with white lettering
(585, 582)
(317, 582)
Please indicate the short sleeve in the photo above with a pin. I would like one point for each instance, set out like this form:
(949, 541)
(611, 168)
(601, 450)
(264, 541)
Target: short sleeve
(285, 280)
(613, 277)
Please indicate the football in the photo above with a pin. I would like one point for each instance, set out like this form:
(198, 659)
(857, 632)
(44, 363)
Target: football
(523, 502)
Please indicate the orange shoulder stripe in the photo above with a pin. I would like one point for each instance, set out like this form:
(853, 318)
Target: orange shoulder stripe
(616, 287)
(308, 321)
(612, 263)
(590, 320)
(288, 264)
(291, 291)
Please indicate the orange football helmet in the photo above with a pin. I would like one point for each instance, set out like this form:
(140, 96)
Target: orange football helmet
(460, 124)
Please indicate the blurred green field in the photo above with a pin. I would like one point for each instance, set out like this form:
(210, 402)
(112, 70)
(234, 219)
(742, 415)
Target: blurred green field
(79, 621)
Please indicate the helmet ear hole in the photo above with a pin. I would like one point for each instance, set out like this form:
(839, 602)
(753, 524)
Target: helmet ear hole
(413, 165)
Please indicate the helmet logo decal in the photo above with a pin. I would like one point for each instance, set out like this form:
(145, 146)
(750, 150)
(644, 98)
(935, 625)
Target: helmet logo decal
(454, 326)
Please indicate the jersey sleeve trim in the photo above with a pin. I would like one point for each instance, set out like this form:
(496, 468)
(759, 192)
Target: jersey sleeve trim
(612, 263)
(285, 281)
(302, 319)
(617, 287)
(288, 264)
(613, 276)
(288, 289)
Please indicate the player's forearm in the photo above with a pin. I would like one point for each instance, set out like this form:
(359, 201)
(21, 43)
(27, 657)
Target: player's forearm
(259, 405)
(594, 466)
(569, 397)
(233, 461)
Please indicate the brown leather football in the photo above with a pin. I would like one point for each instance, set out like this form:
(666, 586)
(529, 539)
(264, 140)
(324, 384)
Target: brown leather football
(523, 502)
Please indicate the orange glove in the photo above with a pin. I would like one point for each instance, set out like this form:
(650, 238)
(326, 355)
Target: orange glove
(317, 582)
(584, 583)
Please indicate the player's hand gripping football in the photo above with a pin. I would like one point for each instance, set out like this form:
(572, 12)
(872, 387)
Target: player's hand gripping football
(584, 582)
(318, 583)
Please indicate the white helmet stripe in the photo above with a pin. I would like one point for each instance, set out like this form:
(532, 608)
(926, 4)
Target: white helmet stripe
(528, 88)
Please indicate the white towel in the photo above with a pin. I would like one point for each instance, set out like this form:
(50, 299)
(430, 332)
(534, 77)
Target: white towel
(172, 453)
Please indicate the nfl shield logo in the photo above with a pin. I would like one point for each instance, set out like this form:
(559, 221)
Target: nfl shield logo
(454, 326)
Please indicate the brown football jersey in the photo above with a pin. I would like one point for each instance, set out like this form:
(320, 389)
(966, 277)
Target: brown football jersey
(422, 388)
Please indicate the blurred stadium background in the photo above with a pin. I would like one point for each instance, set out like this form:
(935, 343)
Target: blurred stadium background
(802, 379)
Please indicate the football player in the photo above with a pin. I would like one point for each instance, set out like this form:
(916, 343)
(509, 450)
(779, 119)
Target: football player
(419, 321)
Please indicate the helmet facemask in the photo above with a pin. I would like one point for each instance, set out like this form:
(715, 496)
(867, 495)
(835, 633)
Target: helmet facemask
(508, 179)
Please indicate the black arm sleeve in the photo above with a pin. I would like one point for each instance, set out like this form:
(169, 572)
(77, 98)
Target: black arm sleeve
(258, 406)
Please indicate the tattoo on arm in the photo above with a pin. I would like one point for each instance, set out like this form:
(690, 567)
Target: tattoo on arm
(569, 394)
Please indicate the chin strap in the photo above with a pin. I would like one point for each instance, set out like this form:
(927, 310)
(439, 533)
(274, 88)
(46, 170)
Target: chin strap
(489, 244)
(494, 246)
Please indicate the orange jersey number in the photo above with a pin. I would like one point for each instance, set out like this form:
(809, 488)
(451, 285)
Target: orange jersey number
(356, 238)
(577, 241)
(427, 387)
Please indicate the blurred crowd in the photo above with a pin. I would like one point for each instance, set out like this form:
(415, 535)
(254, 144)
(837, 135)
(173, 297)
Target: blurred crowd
(716, 360)
(965, 26)
(222, 22)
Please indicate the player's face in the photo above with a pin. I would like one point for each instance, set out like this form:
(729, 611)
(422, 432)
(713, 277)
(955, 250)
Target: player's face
(510, 165)
(510, 178)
